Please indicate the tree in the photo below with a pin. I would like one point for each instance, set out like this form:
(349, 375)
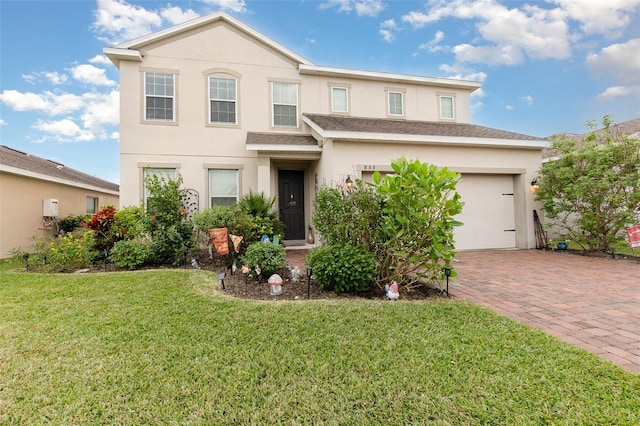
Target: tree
(592, 191)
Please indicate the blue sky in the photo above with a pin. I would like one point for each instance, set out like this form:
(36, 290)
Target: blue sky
(546, 66)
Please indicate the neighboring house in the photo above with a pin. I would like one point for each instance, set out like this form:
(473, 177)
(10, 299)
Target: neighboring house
(35, 193)
(231, 111)
(629, 128)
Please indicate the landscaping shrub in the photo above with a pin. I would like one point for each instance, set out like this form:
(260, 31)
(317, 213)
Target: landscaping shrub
(71, 223)
(342, 268)
(130, 223)
(353, 217)
(268, 256)
(262, 209)
(68, 252)
(170, 230)
(133, 253)
(101, 223)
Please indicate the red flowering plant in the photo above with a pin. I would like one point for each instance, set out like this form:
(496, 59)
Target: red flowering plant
(101, 223)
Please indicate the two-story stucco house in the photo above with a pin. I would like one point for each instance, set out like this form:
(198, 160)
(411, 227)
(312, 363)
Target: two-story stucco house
(230, 110)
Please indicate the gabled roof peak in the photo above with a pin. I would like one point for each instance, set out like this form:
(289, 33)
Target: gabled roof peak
(128, 50)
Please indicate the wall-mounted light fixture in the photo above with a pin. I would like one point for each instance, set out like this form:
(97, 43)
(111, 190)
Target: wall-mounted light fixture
(348, 183)
(535, 185)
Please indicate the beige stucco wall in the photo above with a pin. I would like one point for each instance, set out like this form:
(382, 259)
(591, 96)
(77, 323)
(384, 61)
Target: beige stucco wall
(21, 217)
(190, 144)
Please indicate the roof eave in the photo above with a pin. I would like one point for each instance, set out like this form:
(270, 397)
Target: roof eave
(310, 69)
(47, 178)
(283, 148)
(116, 55)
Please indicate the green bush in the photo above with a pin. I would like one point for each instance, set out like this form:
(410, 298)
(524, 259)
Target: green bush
(268, 256)
(129, 223)
(132, 254)
(71, 223)
(68, 252)
(342, 268)
(263, 211)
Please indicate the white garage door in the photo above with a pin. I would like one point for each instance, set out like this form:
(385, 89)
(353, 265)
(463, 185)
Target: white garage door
(488, 214)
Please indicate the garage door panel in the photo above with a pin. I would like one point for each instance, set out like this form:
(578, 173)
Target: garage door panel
(488, 214)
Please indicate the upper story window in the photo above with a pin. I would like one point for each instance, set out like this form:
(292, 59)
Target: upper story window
(339, 99)
(285, 104)
(159, 96)
(447, 108)
(223, 100)
(396, 103)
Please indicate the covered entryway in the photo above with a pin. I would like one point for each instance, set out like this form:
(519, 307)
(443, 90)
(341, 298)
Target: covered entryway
(291, 203)
(488, 214)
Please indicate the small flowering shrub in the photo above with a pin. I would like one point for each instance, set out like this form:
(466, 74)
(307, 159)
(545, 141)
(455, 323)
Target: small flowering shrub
(269, 257)
(68, 252)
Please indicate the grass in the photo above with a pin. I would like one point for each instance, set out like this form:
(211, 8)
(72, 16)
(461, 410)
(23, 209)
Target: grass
(163, 347)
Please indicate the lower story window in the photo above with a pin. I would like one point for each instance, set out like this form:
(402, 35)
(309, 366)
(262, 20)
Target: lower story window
(223, 187)
(92, 205)
(163, 174)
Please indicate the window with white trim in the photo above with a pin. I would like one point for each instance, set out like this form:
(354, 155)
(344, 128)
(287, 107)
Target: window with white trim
(223, 187)
(396, 107)
(285, 104)
(163, 173)
(159, 96)
(339, 99)
(223, 97)
(92, 205)
(447, 108)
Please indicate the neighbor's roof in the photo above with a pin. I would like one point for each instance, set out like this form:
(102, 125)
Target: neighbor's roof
(18, 162)
(377, 129)
(629, 128)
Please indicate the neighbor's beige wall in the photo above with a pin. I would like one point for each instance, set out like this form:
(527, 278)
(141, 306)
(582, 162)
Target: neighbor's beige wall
(21, 208)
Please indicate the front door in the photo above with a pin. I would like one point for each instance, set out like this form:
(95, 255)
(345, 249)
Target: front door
(291, 196)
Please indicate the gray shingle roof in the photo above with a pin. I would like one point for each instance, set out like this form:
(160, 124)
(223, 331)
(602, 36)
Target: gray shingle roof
(255, 138)
(626, 128)
(20, 160)
(410, 127)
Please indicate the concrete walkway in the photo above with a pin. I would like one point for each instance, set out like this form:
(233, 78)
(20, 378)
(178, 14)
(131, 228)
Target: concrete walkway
(593, 303)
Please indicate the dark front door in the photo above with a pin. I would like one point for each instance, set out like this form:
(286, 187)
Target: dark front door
(291, 196)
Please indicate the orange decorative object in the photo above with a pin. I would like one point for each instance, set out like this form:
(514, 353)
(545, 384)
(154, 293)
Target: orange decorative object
(220, 239)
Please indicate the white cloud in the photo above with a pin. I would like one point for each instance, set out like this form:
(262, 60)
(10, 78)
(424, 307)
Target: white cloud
(371, 8)
(64, 130)
(434, 44)
(387, 29)
(100, 110)
(2, 122)
(100, 59)
(621, 60)
(600, 17)
(508, 107)
(53, 77)
(478, 93)
(175, 15)
(116, 21)
(88, 74)
(460, 72)
(528, 99)
(47, 102)
(617, 92)
(341, 5)
(237, 6)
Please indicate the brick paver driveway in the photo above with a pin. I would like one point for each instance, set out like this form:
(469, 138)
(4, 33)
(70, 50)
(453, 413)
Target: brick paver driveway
(590, 302)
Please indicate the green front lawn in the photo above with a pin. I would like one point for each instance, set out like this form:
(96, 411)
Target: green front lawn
(162, 347)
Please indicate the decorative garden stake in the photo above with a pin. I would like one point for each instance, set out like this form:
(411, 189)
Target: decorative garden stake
(26, 259)
(309, 271)
(275, 284)
(221, 277)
